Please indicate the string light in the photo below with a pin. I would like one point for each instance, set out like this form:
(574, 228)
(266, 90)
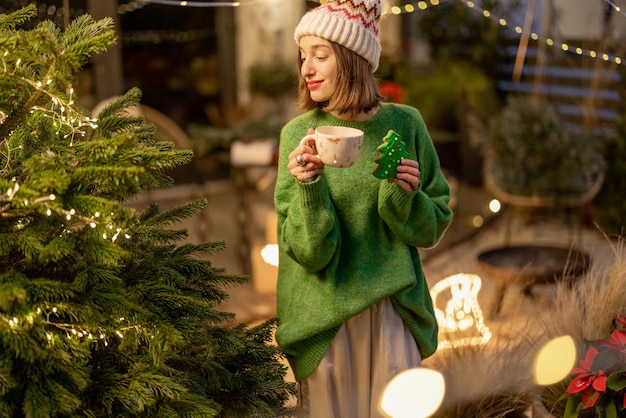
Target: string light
(615, 7)
(45, 315)
(423, 5)
(69, 123)
(61, 111)
(138, 4)
(69, 214)
(63, 114)
(192, 3)
(564, 46)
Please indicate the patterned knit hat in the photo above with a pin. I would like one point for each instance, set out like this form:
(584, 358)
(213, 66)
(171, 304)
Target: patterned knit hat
(351, 23)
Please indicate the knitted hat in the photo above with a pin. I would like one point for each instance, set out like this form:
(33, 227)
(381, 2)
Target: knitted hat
(351, 23)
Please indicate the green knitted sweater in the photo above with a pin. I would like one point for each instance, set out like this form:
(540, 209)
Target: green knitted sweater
(348, 239)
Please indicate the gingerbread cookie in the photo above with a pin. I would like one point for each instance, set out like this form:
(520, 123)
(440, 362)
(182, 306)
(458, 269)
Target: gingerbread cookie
(392, 151)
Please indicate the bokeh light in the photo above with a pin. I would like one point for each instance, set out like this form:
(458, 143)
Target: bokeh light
(555, 360)
(414, 393)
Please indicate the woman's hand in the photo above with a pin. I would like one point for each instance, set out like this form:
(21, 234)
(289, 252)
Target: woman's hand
(304, 164)
(408, 176)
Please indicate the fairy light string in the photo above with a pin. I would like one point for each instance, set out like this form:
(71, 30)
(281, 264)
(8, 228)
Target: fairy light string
(61, 111)
(615, 7)
(46, 316)
(423, 5)
(397, 10)
(68, 123)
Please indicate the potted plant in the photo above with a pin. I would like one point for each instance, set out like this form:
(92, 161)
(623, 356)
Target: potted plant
(609, 205)
(531, 160)
(593, 313)
(596, 387)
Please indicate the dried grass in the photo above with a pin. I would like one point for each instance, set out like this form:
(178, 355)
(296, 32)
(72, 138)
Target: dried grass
(496, 380)
(585, 311)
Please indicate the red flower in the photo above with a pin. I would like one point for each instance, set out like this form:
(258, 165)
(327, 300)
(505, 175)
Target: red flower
(603, 362)
(590, 397)
(617, 341)
(585, 365)
(391, 91)
(591, 386)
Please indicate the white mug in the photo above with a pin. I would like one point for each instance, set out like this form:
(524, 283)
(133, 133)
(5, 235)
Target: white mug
(337, 146)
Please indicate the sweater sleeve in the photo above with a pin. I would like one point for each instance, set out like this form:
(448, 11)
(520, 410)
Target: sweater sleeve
(421, 217)
(308, 229)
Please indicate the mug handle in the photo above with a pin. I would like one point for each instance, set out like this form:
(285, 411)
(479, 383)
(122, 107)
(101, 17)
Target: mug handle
(307, 141)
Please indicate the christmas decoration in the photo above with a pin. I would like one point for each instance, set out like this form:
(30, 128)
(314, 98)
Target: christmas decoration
(102, 311)
(392, 151)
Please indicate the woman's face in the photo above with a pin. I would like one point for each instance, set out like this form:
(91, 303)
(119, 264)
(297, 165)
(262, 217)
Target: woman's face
(319, 67)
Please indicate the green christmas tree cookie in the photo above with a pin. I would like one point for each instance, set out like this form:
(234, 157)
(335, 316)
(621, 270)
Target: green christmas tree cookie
(392, 151)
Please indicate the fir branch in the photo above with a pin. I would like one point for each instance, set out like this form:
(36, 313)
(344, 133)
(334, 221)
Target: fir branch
(92, 275)
(152, 217)
(12, 20)
(41, 291)
(56, 249)
(85, 37)
(110, 308)
(26, 244)
(118, 109)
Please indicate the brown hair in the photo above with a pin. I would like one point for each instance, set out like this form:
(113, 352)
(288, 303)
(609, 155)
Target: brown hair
(357, 87)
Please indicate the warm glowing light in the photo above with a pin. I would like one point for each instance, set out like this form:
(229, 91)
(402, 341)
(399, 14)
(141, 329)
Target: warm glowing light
(555, 360)
(461, 320)
(495, 206)
(270, 254)
(409, 8)
(415, 393)
(477, 221)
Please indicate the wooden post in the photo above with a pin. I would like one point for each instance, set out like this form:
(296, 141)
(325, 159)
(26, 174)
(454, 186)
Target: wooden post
(523, 42)
(108, 79)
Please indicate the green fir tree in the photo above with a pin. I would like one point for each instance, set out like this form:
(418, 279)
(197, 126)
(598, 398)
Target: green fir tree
(392, 151)
(105, 311)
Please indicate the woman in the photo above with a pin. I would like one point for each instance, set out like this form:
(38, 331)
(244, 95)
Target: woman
(353, 302)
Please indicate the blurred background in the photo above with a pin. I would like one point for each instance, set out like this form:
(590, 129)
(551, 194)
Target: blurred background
(524, 100)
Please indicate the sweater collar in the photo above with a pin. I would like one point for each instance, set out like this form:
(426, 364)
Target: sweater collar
(381, 120)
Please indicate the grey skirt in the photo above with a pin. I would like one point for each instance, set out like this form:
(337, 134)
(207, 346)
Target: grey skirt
(368, 351)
